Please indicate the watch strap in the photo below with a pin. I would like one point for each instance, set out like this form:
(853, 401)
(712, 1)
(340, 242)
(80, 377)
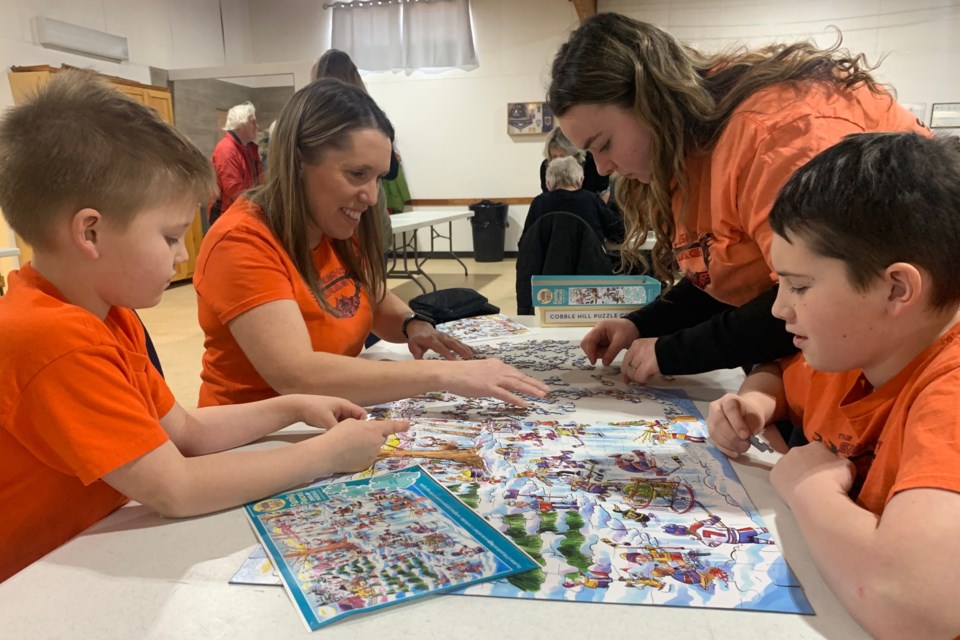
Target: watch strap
(415, 316)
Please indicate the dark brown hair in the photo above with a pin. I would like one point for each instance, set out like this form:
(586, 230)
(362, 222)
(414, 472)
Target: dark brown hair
(338, 65)
(879, 198)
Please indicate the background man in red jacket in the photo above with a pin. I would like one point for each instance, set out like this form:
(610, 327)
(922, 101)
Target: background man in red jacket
(236, 158)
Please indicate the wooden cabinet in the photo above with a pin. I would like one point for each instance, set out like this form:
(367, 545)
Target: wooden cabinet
(24, 82)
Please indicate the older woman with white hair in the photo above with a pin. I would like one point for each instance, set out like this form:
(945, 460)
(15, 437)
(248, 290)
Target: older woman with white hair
(564, 178)
(557, 146)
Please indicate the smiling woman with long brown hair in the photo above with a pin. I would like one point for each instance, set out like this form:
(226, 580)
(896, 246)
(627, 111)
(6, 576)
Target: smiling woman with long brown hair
(291, 280)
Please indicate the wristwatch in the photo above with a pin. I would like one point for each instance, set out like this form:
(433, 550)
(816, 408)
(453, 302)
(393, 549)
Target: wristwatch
(411, 318)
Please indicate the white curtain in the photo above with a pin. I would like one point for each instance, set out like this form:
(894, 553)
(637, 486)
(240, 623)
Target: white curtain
(371, 35)
(405, 34)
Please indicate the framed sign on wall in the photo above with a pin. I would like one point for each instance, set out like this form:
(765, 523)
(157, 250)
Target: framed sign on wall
(945, 115)
(529, 118)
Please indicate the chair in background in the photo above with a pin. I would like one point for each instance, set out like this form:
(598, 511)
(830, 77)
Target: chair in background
(558, 244)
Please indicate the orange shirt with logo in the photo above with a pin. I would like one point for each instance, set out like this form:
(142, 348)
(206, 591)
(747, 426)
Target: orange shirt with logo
(79, 400)
(903, 435)
(723, 237)
(241, 266)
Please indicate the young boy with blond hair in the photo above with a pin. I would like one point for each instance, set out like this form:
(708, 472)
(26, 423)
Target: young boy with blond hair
(105, 191)
(865, 246)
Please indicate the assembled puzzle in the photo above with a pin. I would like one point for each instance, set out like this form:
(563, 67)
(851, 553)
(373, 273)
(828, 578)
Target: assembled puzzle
(612, 488)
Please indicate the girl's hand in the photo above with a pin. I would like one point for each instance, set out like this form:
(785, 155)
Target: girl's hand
(606, 340)
(640, 362)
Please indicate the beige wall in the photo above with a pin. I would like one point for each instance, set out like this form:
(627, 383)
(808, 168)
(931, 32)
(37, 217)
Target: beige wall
(451, 126)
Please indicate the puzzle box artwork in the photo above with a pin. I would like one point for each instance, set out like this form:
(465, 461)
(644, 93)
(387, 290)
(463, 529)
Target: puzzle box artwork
(353, 547)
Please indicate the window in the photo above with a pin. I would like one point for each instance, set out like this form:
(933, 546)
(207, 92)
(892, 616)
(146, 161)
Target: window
(385, 35)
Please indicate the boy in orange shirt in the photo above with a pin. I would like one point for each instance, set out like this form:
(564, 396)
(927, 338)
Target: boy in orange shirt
(104, 191)
(865, 244)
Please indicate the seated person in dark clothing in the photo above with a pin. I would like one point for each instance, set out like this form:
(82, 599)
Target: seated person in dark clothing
(557, 146)
(564, 180)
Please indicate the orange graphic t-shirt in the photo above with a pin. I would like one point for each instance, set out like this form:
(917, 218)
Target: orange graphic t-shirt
(241, 266)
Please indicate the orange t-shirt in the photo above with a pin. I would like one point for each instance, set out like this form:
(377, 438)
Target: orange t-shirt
(725, 246)
(903, 435)
(242, 265)
(79, 399)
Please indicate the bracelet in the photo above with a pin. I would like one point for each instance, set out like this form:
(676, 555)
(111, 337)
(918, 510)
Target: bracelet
(411, 318)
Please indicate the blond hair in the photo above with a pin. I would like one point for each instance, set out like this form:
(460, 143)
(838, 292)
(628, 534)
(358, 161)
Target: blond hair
(686, 99)
(79, 143)
(556, 140)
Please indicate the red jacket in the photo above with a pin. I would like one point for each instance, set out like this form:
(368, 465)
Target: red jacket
(237, 166)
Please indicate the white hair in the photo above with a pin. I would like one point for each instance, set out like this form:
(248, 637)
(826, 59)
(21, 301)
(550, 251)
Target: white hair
(239, 115)
(564, 172)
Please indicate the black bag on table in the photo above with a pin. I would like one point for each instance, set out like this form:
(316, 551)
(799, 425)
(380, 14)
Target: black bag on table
(452, 304)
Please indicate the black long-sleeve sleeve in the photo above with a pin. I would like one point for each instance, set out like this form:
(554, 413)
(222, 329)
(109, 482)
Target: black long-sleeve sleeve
(682, 306)
(610, 221)
(732, 337)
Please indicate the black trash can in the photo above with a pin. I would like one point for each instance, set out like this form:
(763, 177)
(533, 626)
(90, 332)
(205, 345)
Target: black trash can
(489, 223)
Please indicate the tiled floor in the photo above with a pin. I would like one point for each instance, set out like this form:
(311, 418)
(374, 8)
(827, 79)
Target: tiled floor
(179, 341)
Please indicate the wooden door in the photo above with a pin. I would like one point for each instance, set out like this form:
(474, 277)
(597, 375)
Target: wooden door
(191, 241)
(161, 102)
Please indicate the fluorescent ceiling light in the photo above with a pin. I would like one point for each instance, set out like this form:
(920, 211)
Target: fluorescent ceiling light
(64, 36)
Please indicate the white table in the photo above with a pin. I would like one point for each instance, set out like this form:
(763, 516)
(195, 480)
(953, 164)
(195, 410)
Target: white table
(412, 221)
(136, 575)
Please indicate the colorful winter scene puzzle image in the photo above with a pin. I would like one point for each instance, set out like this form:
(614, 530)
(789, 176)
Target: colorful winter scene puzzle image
(351, 547)
(489, 327)
(612, 488)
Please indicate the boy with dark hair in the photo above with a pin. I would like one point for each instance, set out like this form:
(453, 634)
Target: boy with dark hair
(104, 191)
(865, 244)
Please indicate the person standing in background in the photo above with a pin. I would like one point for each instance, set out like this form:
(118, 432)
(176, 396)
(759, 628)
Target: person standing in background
(263, 146)
(236, 158)
(558, 146)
